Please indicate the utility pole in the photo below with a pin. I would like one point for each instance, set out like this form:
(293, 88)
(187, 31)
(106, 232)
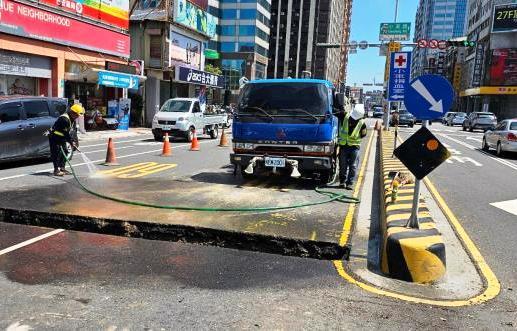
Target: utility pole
(387, 115)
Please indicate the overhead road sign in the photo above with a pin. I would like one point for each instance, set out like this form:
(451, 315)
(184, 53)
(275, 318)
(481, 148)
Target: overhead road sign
(422, 153)
(394, 31)
(400, 72)
(429, 97)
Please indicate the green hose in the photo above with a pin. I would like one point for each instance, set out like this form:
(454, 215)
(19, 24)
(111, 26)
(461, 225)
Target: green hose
(332, 197)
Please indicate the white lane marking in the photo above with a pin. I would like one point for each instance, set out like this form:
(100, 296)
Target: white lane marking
(504, 162)
(509, 206)
(115, 141)
(98, 161)
(30, 241)
(463, 159)
(18, 327)
(104, 150)
(475, 139)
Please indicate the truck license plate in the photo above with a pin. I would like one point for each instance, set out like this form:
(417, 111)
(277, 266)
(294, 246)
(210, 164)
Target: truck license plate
(274, 162)
(166, 127)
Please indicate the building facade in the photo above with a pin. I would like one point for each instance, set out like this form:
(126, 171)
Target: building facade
(296, 28)
(440, 20)
(62, 49)
(173, 46)
(242, 39)
(489, 71)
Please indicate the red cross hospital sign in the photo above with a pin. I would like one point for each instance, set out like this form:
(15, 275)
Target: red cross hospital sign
(400, 70)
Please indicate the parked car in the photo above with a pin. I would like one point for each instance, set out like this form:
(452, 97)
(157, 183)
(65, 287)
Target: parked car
(503, 138)
(405, 118)
(378, 112)
(456, 119)
(445, 118)
(23, 123)
(479, 120)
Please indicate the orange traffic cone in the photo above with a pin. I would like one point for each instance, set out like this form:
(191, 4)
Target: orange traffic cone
(166, 151)
(224, 140)
(111, 158)
(195, 143)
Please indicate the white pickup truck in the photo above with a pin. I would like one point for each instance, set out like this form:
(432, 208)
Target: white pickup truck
(181, 117)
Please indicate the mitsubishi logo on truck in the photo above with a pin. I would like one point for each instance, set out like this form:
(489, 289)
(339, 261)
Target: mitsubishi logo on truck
(281, 134)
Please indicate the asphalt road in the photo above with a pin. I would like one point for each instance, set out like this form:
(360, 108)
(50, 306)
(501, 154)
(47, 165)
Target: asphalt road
(76, 280)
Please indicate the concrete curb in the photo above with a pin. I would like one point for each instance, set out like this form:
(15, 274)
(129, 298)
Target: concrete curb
(408, 254)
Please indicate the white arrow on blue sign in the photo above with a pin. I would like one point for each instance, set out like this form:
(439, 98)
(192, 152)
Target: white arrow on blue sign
(428, 97)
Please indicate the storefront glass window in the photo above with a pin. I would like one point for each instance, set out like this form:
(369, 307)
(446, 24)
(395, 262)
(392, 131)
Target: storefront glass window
(260, 71)
(233, 70)
(11, 84)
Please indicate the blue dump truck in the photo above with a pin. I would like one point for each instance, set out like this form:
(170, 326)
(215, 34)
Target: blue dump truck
(287, 127)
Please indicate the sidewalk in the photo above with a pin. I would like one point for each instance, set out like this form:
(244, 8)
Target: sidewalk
(105, 134)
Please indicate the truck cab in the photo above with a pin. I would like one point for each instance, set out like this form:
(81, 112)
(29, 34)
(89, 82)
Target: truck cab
(287, 126)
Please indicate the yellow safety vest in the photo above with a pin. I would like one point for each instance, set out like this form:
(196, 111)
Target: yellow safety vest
(353, 139)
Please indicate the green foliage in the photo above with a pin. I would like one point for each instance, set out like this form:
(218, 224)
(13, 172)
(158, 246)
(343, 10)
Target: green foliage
(213, 69)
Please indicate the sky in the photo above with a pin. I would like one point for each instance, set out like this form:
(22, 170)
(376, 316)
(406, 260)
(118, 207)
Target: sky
(367, 15)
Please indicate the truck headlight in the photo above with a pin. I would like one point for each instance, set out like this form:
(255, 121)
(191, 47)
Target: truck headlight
(181, 119)
(315, 148)
(155, 120)
(243, 146)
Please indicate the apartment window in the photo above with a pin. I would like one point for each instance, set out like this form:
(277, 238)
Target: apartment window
(262, 35)
(246, 47)
(227, 30)
(261, 50)
(262, 18)
(229, 14)
(247, 30)
(228, 47)
(260, 70)
(265, 4)
(213, 10)
(248, 14)
(144, 4)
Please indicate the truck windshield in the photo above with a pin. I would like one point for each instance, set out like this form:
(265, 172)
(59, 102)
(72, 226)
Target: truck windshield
(176, 106)
(284, 99)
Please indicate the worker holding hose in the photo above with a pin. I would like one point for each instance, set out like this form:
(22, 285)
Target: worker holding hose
(60, 134)
(352, 130)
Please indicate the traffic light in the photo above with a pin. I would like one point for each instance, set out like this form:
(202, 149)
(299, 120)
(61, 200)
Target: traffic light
(464, 43)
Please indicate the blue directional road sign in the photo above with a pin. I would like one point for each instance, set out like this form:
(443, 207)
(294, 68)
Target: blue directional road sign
(428, 97)
(400, 70)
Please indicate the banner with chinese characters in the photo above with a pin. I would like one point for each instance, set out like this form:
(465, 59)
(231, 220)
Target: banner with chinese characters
(194, 76)
(400, 73)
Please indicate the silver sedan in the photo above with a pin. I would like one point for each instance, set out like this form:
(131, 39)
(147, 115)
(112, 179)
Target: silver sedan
(503, 138)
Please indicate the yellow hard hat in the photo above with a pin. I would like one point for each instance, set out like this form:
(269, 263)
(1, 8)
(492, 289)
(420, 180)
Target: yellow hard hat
(78, 109)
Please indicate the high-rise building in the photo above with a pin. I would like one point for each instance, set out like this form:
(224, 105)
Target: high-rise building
(440, 20)
(243, 39)
(488, 80)
(296, 28)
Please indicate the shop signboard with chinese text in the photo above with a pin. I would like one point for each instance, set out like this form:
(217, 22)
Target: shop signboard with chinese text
(30, 22)
(394, 31)
(194, 76)
(115, 79)
(110, 12)
(195, 18)
(184, 50)
(20, 64)
(400, 73)
(478, 65)
(505, 18)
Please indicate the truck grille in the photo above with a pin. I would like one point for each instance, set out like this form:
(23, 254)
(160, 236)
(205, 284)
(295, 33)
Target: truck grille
(166, 122)
(277, 149)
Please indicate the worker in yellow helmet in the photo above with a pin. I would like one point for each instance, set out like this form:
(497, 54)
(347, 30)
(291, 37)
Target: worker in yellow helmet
(59, 135)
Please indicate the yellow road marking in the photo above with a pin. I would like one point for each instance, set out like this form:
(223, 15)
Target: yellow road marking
(138, 170)
(492, 287)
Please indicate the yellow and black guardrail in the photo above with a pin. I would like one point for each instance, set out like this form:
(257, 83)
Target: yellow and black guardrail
(414, 255)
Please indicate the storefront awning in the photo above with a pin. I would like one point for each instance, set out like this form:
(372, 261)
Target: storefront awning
(490, 90)
(106, 78)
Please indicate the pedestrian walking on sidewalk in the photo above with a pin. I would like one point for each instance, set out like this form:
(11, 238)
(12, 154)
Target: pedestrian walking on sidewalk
(352, 130)
(60, 134)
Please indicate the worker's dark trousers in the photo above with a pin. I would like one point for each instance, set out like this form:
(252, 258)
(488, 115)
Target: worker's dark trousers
(348, 160)
(56, 144)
